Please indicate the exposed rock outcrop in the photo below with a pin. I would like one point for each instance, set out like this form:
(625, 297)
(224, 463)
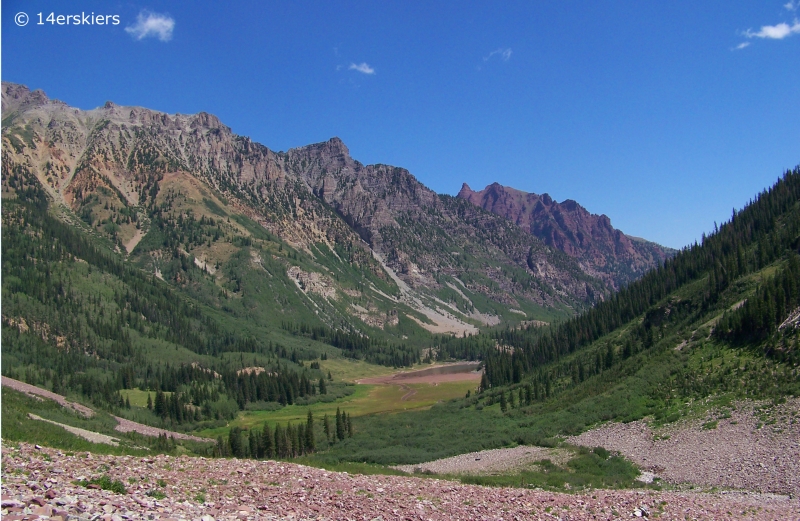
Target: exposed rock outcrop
(602, 250)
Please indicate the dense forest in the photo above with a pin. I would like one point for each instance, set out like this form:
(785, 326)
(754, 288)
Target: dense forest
(766, 231)
(79, 320)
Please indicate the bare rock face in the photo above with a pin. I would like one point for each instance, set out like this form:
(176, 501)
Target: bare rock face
(602, 250)
(130, 157)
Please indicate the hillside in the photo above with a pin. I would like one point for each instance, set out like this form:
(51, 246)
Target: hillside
(163, 253)
(602, 250)
(373, 245)
(705, 335)
(162, 269)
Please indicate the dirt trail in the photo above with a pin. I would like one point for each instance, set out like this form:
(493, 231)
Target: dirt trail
(124, 425)
(411, 392)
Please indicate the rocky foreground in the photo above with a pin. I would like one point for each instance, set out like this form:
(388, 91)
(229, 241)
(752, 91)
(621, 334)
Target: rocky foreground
(753, 446)
(38, 484)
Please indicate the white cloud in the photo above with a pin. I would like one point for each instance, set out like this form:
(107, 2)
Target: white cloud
(742, 45)
(152, 24)
(775, 32)
(505, 54)
(792, 5)
(362, 68)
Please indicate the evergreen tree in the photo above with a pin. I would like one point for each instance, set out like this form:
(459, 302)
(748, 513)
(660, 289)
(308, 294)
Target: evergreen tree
(609, 361)
(280, 442)
(340, 426)
(160, 405)
(310, 443)
(267, 442)
(222, 449)
(254, 443)
(234, 440)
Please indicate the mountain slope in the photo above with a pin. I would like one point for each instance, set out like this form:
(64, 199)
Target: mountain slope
(715, 325)
(164, 187)
(602, 250)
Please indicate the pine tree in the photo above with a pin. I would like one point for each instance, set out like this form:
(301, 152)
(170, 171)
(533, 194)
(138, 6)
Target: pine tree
(327, 428)
(267, 442)
(340, 426)
(323, 389)
(503, 405)
(310, 443)
(254, 443)
(349, 426)
(301, 439)
(280, 442)
(160, 405)
(609, 355)
(234, 440)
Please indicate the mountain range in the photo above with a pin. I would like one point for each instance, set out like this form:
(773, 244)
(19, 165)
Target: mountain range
(161, 186)
(603, 251)
(247, 289)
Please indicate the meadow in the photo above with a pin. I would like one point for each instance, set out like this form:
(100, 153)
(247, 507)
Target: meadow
(366, 400)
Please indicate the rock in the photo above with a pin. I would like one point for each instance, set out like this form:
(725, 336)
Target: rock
(572, 229)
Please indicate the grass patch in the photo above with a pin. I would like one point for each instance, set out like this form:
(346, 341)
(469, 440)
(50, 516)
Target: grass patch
(350, 467)
(350, 370)
(105, 483)
(589, 469)
(366, 400)
(17, 426)
(138, 398)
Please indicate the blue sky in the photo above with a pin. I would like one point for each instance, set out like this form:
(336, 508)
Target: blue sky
(662, 115)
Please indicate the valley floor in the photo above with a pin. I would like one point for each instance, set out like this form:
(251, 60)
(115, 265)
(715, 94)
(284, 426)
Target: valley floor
(39, 482)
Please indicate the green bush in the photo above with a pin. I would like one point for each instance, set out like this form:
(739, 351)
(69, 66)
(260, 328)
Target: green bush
(105, 483)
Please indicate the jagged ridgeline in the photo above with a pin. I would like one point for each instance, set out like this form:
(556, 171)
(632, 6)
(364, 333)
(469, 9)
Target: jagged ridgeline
(715, 324)
(163, 252)
(370, 249)
(758, 248)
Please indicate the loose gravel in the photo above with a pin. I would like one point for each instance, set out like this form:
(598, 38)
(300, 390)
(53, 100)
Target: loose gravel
(490, 461)
(38, 392)
(123, 425)
(756, 448)
(94, 437)
(37, 484)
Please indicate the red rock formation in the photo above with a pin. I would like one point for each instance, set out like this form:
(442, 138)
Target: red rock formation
(602, 250)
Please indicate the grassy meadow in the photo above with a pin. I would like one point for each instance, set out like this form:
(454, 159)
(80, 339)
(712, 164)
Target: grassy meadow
(366, 400)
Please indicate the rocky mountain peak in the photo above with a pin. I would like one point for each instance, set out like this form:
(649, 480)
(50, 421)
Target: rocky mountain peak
(465, 191)
(605, 252)
(117, 161)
